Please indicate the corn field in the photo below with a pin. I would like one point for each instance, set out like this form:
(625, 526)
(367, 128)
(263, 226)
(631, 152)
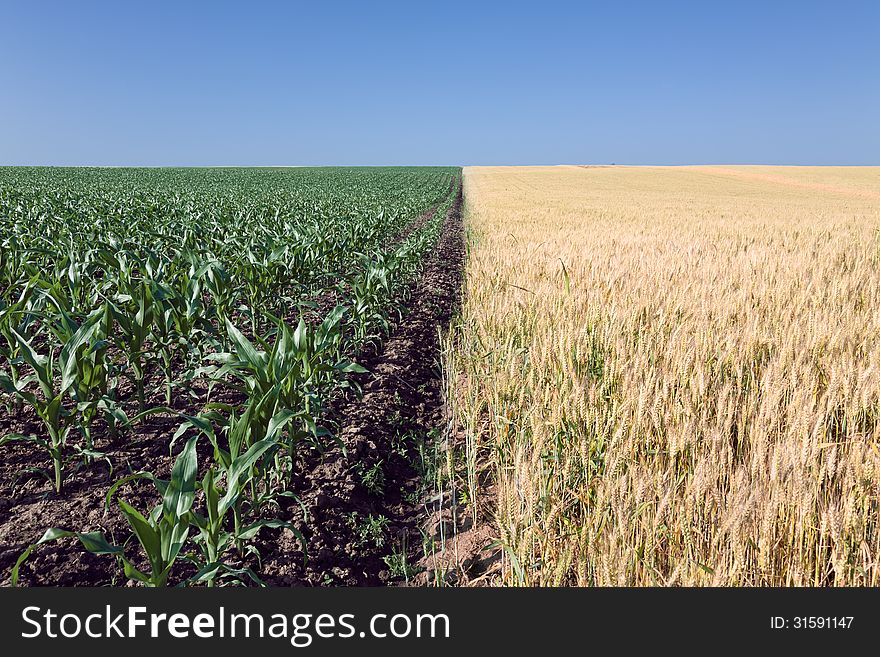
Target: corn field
(231, 304)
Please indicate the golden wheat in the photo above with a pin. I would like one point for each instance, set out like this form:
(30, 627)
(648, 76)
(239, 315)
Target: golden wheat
(675, 372)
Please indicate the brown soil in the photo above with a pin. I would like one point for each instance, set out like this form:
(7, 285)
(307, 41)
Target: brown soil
(463, 547)
(28, 505)
(402, 403)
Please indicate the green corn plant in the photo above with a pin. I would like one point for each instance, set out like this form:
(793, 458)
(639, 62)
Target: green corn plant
(14, 316)
(219, 285)
(164, 334)
(371, 291)
(161, 533)
(181, 330)
(75, 269)
(91, 373)
(119, 267)
(291, 376)
(214, 539)
(188, 312)
(259, 280)
(250, 435)
(297, 365)
(55, 377)
(134, 331)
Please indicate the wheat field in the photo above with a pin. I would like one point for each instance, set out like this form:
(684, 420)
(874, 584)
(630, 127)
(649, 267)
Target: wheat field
(671, 376)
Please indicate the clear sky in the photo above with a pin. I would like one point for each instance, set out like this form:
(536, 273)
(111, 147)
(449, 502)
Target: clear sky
(542, 82)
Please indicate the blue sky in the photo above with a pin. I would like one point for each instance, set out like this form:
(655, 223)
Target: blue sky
(323, 83)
